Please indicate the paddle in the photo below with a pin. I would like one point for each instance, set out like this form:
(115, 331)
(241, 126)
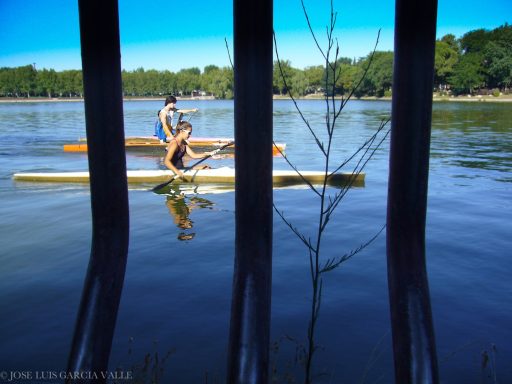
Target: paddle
(160, 186)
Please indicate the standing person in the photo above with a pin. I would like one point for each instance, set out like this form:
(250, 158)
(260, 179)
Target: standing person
(177, 148)
(163, 126)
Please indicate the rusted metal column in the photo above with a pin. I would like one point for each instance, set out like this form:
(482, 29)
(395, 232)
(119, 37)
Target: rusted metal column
(248, 352)
(99, 33)
(411, 317)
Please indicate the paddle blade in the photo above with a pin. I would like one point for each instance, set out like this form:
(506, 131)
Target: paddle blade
(163, 185)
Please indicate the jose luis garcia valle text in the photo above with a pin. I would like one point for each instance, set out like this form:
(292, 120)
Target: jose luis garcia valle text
(16, 376)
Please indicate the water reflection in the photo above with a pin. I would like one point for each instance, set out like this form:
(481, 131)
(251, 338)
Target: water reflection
(180, 205)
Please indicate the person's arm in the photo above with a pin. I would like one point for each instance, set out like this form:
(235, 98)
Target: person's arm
(187, 110)
(194, 155)
(171, 148)
(163, 119)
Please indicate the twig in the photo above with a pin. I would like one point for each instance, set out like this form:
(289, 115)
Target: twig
(372, 138)
(365, 71)
(229, 55)
(357, 170)
(306, 181)
(335, 262)
(328, 203)
(320, 145)
(294, 229)
(374, 357)
(311, 28)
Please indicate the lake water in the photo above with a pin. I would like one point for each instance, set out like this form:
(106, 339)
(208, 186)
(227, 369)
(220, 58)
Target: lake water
(177, 289)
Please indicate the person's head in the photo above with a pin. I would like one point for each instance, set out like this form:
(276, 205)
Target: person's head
(170, 99)
(184, 126)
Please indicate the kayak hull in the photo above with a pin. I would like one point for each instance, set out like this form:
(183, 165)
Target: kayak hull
(206, 176)
(153, 144)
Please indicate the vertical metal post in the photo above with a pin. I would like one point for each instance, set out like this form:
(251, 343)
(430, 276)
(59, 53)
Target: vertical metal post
(101, 66)
(411, 318)
(248, 352)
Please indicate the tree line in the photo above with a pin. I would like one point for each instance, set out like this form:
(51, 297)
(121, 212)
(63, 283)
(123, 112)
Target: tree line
(480, 61)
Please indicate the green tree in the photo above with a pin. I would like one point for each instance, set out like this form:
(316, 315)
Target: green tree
(379, 77)
(78, 83)
(128, 79)
(299, 82)
(209, 80)
(210, 68)
(332, 78)
(153, 83)
(188, 80)
(7, 86)
(25, 80)
(446, 56)
(70, 83)
(218, 81)
(47, 82)
(140, 81)
(468, 74)
(498, 59)
(350, 78)
(169, 82)
(277, 81)
(452, 41)
(474, 41)
(480, 58)
(314, 76)
(345, 61)
(381, 71)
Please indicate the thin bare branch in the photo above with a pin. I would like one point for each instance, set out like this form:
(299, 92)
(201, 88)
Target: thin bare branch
(311, 264)
(365, 71)
(229, 55)
(336, 77)
(361, 165)
(337, 261)
(375, 355)
(311, 29)
(320, 290)
(306, 181)
(295, 230)
(367, 143)
(293, 99)
(328, 202)
(357, 170)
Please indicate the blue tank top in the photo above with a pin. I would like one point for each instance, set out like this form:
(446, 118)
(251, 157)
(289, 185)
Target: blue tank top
(159, 129)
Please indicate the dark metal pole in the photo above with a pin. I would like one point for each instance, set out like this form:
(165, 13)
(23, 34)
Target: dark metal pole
(99, 33)
(248, 352)
(411, 318)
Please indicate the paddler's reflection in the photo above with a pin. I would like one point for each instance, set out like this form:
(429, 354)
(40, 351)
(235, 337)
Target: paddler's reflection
(180, 206)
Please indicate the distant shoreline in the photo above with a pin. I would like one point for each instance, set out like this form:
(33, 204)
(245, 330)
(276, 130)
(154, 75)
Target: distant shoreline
(489, 99)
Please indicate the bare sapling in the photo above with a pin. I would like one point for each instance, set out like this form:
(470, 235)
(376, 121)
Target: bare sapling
(329, 198)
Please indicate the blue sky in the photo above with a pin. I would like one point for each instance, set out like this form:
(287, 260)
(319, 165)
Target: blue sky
(171, 35)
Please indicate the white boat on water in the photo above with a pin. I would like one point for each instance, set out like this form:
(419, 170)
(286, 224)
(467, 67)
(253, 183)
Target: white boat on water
(204, 176)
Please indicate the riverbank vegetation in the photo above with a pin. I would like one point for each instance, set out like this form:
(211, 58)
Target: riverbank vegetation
(478, 63)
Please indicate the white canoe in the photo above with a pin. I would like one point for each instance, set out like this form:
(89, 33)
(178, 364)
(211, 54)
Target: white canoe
(209, 176)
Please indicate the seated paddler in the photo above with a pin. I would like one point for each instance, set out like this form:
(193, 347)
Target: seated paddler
(178, 148)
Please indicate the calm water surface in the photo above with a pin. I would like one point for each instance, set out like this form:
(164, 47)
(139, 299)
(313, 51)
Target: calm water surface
(178, 281)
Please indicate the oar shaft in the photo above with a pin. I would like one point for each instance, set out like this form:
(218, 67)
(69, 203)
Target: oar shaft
(213, 153)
